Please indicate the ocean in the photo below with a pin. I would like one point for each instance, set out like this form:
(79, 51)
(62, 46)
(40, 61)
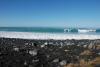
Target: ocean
(49, 33)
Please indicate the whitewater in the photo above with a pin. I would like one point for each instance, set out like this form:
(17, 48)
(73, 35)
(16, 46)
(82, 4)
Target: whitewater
(38, 35)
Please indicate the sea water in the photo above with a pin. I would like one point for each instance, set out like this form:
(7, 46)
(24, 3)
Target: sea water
(49, 33)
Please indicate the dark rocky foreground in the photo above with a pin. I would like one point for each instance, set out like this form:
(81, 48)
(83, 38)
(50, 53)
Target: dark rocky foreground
(47, 53)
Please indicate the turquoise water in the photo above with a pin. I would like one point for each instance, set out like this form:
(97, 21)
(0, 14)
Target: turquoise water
(51, 30)
(32, 29)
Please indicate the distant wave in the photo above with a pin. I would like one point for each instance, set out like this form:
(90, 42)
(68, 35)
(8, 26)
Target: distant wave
(81, 30)
(86, 30)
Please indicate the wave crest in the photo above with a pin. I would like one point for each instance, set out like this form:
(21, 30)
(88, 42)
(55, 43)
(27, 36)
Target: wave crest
(80, 30)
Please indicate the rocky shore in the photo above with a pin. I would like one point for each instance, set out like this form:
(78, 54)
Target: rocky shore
(49, 53)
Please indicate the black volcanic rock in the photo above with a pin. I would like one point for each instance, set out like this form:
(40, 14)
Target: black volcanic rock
(43, 53)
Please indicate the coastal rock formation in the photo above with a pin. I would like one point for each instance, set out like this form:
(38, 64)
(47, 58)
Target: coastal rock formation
(49, 53)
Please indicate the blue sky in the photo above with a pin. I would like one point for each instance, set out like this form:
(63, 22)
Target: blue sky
(50, 13)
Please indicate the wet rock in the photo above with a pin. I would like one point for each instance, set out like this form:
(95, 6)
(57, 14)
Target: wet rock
(25, 63)
(42, 46)
(99, 53)
(33, 52)
(15, 48)
(56, 60)
(66, 50)
(45, 43)
(63, 62)
(37, 60)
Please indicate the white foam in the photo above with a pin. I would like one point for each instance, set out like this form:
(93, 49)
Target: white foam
(85, 30)
(57, 36)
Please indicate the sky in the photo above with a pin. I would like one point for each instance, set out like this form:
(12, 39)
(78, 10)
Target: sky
(49, 13)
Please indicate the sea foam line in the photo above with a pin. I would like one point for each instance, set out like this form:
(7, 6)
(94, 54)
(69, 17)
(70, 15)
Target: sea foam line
(56, 36)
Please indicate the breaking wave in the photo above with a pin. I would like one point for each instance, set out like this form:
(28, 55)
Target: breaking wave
(81, 30)
(56, 36)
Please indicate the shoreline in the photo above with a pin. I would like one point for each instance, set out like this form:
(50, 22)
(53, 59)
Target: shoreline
(48, 39)
(46, 36)
(80, 42)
